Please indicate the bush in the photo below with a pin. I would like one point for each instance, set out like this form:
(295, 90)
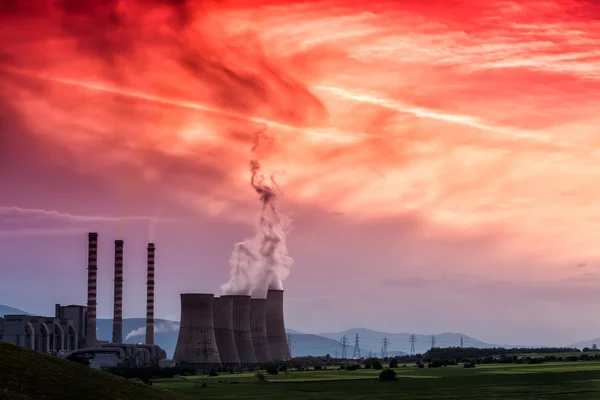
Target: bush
(387, 375)
(213, 372)
(261, 377)
(377, 365)
(272, 370)
(368, 365)
(393, 363)
(318, 368)
(469, 364)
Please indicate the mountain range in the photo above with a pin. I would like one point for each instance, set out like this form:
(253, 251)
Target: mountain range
(305, 344)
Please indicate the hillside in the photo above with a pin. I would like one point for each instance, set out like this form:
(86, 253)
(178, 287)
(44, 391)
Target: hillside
(586, 343)
(26, 374)
(6, 310)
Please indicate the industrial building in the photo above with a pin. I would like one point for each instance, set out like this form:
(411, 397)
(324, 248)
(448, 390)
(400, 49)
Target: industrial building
(71, 333)
(239, 330)
(227, 330)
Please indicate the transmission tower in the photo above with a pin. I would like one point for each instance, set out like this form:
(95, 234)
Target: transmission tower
(344, 344)
(369, 353)
(384, 347)
(335, 353)
(461, 342)
(432, 341)
(412, 340)
(356, 353)
(291, 343)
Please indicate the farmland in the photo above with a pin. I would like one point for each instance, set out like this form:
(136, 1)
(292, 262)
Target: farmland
(568, 380)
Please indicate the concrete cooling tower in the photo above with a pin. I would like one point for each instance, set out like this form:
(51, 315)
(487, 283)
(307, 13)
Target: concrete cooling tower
(196, 343)
(258, 327)
(241, 328)
(276, 335)
(223, 320)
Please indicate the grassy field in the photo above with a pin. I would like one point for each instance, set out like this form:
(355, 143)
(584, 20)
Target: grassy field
(578, 380)
(26, 374)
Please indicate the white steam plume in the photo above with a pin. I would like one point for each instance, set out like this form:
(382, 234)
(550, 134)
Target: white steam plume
(165, 327)
(261, 262)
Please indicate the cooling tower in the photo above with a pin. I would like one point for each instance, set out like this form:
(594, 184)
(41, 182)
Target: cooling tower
(117, 334)
(91, 295)
(196, 343)
(241, 328)
(258, 327)
(223, 320)
(276, 335)
(150, 296)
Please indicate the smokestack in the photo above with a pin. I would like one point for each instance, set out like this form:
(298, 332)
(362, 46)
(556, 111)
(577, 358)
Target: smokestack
(276, 335)
(150, 296)
(117, 335)
(196, 343)
(258, 326)
(223, 320)
(241, 328)
(91, 340)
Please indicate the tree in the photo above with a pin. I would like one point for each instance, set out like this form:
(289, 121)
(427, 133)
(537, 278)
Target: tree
(272, 370)
(377, 364)
(387, 375)
(393, 363)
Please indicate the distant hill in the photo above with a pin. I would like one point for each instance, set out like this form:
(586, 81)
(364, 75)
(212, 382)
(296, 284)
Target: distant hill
(371, 341)
(586, 343)
(166, 333)
(313, 345)
(27, 374)
(6, 310)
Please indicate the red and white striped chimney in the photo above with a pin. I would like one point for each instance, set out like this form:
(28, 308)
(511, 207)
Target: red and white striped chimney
(150, 296)
(117, 334)
(91, 340)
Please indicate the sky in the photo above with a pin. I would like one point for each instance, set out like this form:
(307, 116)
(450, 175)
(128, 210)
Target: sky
(437, 159)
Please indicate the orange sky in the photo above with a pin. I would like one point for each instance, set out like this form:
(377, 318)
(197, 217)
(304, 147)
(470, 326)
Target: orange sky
(478, 117)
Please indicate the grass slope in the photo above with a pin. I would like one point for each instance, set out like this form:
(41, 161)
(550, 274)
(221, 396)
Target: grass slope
(26, 374)
(554, 381)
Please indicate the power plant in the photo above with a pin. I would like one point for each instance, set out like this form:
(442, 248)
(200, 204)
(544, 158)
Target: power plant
(230, 330)
(71, 333)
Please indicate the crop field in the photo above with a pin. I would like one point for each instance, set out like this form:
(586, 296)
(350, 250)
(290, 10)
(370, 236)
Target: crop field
(568, 380)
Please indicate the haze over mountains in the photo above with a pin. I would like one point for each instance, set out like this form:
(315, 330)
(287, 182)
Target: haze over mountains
(305, 344)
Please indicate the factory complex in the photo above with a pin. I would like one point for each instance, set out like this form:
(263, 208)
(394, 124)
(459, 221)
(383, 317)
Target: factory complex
(231, 330)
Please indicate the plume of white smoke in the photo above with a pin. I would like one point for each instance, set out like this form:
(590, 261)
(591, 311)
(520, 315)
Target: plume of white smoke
(261, 262)
(163, 327)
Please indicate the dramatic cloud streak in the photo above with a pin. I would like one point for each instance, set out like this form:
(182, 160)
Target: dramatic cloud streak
(468, 119)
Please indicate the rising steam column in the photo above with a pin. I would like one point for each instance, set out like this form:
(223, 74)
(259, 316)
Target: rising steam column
(150, 296)
(91, 340)
(117, 335)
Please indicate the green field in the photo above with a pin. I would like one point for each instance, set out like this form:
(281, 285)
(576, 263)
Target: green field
(25, 374)
(571, 380)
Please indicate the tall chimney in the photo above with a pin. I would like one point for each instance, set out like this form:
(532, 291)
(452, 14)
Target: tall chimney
(150, 296)
(91, 340)
(117, 335)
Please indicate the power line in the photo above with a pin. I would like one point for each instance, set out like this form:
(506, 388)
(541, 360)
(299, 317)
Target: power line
(412, 340)
(384, 347)
(356, 348)
(432, 341)
(291, 343)
(344, 344)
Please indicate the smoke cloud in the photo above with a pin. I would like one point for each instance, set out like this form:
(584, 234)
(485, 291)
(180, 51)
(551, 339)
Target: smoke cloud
(165, 327)
(261, 262)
